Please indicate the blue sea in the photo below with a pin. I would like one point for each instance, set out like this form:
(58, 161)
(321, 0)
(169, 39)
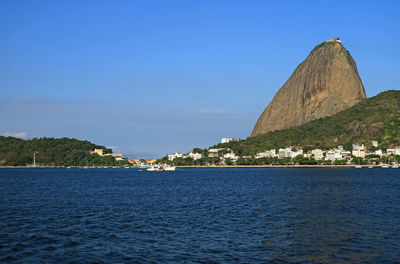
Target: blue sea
(260, 215)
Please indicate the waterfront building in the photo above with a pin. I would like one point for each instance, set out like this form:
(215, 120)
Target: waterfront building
(397, 150)
(296, 153)
(359, 151)
(390, 152)
(171, 157)
(318, 154)
(261, 155)
(195, 156)
(334, 154)
(231, 156)
(346, 155)
(281, 153)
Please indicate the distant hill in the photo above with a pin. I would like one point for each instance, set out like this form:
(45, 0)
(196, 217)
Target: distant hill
(51, 152)
(376, 118)
(325, 83)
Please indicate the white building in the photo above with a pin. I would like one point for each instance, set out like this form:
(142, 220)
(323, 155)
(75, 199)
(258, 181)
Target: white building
(334, 154)
(195, 156)
(346, 154)
(379, 152)
(281, 153)
(390, 152)
(214, 150)
(296, 153)
(358, 151)
(261, 155)
(231, 156)
(397, 150)
(318, 154)
(375, 143)
(171, 157)
(267, 154)
(286, 153)
(213, 153)
(227, 140)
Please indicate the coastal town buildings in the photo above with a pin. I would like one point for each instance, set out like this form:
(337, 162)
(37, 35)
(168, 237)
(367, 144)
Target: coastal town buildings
(231, 156)
(174, 156)
(346, 155)
(213, 153)
(195, 156)
(266, 154)
(317, 154)
(336, 155)
(379, 152)
(397, 150)
(359, 151)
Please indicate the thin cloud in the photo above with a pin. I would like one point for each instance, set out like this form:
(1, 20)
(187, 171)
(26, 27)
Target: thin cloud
(22, 135)
(141, 131)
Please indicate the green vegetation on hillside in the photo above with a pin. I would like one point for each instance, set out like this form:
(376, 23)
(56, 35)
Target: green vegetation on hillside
(376, 118)
(52, 152)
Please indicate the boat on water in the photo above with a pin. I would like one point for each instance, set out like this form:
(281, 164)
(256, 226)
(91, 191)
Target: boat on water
(161, 168)
(395, 166)
(370, 167)
(385, 166)
(358, 167)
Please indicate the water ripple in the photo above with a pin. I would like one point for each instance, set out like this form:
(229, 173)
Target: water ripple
(200, 216)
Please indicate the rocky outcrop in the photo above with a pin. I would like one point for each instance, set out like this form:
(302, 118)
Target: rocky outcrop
(325, 83)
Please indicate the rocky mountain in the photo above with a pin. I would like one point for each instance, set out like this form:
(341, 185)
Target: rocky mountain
(325, 83)
(376, 118)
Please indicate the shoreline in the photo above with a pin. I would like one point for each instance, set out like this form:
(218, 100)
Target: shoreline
(282, 166)
(203, 167)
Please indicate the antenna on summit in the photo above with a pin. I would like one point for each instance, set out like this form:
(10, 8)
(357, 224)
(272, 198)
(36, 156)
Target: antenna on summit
(334, 40)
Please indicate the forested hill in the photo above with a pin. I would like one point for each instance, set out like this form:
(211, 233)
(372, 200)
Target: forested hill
(375, 118)
(51, 152)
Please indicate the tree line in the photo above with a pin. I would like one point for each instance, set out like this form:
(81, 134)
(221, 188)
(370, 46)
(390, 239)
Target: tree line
(52, 152)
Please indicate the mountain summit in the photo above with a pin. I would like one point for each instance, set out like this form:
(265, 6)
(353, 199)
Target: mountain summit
(325, 83)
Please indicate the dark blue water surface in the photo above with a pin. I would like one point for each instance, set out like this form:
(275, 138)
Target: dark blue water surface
(200, 215)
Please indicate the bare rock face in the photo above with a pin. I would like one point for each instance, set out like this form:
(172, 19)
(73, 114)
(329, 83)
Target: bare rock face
(325, 83)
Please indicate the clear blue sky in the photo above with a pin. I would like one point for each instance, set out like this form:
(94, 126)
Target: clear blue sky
(155, 77)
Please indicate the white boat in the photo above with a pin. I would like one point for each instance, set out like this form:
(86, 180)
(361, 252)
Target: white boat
(155, 168)
(169, 168)
(370, 167)
(395, 166)
(385, 166)
(161, 168)
(151, 168)
(358, 167)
